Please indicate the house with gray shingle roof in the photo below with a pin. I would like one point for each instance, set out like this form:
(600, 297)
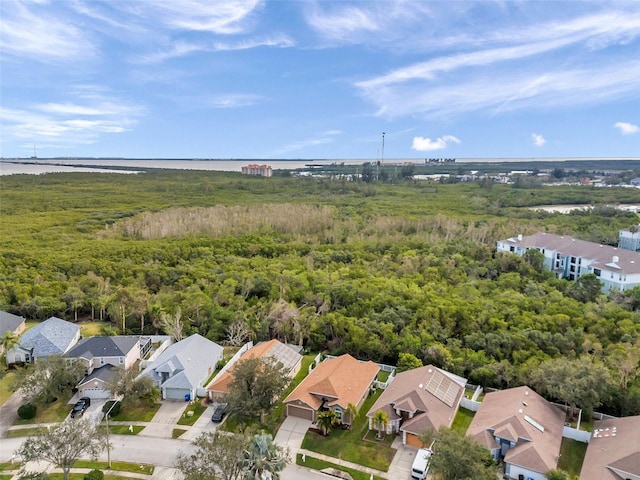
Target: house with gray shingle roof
(97, 383)
(10, 323)
(54, 336)
(119, 351)
(184, 367)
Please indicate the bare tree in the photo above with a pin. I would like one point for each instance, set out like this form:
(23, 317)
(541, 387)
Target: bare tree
(64, 444)
(172, 324)
(238, 333)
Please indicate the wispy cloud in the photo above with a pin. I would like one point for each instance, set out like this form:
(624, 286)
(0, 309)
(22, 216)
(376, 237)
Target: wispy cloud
(181, 48)
(321, 139)
(538, 140)
(66, 123)
(343, 22)
(425, 144)
(234, 100)
(33, 31)
(627, 128)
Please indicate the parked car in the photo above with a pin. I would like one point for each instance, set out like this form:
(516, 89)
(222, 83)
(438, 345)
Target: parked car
(219, 413)
(420, 466)
(80, 406)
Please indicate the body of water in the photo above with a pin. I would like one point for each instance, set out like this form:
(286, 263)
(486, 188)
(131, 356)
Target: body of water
(50, 165)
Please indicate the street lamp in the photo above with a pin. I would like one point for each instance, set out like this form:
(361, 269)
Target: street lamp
(382, 156)
(106, 419)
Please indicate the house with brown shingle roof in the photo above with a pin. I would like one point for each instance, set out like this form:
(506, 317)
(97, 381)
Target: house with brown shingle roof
(617, 268)
(333, 384)
(286, 355)
(418, 400)
(614, 450)
(521, 428)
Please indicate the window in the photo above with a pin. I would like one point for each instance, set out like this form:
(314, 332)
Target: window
(597, 272)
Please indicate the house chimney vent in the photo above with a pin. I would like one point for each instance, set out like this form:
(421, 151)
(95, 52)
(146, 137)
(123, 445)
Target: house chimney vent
(520, 237)
(616, 259)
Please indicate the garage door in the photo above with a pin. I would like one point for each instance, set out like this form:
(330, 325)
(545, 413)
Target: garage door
(299, 412)
(95, 393)
(413, 440)
(176, 393)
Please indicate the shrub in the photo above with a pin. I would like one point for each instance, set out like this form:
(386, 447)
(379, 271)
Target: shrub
(27, 411)
(34, 476)
(116, 407)
(94, 475)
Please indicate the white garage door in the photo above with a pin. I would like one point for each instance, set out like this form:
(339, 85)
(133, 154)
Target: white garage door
(95, 393)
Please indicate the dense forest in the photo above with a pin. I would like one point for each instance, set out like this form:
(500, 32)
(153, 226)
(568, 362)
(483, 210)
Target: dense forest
(372, 269)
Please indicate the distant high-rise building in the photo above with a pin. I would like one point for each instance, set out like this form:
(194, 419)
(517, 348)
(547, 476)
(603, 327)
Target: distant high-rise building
(255, 169)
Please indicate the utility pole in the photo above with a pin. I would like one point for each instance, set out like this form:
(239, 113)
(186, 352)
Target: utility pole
(382, 156)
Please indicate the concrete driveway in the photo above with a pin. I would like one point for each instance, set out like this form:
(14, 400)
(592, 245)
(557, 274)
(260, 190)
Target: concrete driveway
(165, 419)
(292, 432)
(401, 464)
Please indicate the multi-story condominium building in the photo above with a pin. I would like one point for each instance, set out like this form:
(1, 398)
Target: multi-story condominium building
(259, 170)
(570, 258)
(630, 239)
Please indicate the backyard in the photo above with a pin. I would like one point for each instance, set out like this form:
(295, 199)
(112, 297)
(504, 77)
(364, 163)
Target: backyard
(349, 444)
(571, 456)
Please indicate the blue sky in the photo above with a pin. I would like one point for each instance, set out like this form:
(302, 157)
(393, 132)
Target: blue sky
(319, 79)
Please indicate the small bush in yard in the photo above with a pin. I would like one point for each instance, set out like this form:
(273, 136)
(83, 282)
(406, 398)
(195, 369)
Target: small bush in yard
(114, 411)
(27, 411)
(94, 475)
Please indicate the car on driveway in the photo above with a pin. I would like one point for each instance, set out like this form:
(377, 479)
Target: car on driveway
(219, 412)
(80, 407)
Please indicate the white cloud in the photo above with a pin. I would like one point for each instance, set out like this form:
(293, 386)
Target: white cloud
(342, 23)
(234, 100)
(65, 123)
(538, 140)
(41, 34)
(627, 128)
(321, 139)
(425, 144)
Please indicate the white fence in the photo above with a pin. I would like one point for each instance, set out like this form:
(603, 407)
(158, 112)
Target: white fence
(164, 340)
(232, 360)
(575, 434)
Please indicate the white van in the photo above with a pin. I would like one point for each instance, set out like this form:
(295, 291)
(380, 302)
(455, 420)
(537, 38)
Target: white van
(420, 465)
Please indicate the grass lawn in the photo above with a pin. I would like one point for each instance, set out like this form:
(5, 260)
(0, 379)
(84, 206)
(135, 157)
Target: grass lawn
(5, 477)
(91, 329)
(119, 466)
(80, 476)
(52, 413)
(463, 420)
(383, 376)
(349, 444)
(317, 464)
(177, 432)
(5, 382)
(25, 432)
(197, 408)
(136, 413)
(124, 429)
(571, 456)
(9, 466)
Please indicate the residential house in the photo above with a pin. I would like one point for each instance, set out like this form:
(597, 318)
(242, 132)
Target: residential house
(419, 399)
(614, 450)
(54, 336)
(10, 323)
(97, 384)
(570, 258)
(184, 367)
(119, 351)
(520, 428)
(333, 384)
(286, 355)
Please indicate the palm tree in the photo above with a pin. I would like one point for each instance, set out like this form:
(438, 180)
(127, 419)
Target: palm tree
(262, 457)
(380, 421)
(352, 413)
(9, 340)
(326, 420)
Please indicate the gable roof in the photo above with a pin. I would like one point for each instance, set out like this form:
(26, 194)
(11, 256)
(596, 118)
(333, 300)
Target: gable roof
(627, 262)
(428, 393)
(520, 415)
(614, 450)
(189, 361)
(9, 322)
(340, 381)
(51, 337)
(103, 346)
(273, 349)
(102, 374)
